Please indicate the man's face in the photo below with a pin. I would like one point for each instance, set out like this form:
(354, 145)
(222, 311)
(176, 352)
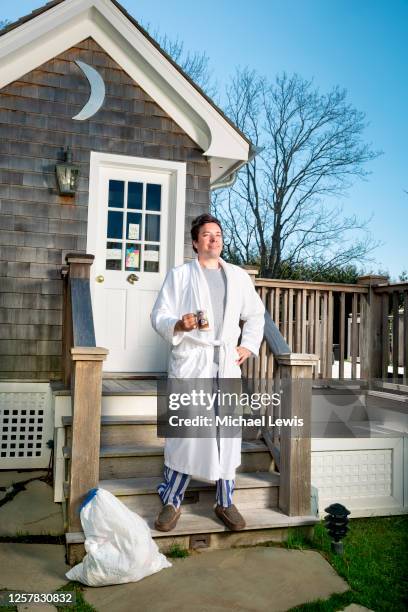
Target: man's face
(209, 243)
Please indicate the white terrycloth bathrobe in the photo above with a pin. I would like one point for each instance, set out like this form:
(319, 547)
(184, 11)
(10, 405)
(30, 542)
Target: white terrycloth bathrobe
(185, 290)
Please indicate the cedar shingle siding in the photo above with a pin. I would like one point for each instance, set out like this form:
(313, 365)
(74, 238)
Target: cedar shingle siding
(37, 226)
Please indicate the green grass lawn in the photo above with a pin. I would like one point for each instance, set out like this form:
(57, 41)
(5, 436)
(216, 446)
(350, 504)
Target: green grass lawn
(374, 563)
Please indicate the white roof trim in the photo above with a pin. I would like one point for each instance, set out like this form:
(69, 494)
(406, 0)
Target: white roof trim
(62, 26)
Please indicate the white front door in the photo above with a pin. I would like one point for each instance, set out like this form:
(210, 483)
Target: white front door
(130, 235)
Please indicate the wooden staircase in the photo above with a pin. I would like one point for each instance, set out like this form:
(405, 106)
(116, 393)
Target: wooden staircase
(131, 468)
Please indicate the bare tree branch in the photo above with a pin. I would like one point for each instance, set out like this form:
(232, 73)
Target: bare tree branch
(313, 150)
(196, 64)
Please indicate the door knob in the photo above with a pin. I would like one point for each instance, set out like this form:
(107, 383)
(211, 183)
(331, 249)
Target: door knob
(132, 279)
(100, 278)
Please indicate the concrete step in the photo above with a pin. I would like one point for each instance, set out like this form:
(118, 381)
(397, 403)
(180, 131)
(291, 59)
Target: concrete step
(256, 490)
(147, 459)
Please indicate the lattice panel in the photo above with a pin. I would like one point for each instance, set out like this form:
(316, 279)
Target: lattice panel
(352, 474)
(22, 426)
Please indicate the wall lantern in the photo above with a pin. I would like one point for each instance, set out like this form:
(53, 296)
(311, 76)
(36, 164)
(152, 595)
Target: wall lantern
(337, 525)
(67, 175)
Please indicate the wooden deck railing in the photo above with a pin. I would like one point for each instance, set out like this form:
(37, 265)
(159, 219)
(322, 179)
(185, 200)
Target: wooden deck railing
(307, 325)
(82, 370)
(356, 330)
(393, 330)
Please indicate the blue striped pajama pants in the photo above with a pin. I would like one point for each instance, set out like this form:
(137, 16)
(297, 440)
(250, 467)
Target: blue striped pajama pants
(172, 489)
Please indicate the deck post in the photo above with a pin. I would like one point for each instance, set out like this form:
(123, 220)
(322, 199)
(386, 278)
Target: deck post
(86, 393)
(371, 327)
(82, 363)
(253, 272)
(296, 372)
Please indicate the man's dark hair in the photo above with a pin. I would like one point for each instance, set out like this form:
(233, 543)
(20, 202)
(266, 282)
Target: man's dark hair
(198, 222)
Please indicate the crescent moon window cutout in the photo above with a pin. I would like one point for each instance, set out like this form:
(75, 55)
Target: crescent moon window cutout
(97, 95)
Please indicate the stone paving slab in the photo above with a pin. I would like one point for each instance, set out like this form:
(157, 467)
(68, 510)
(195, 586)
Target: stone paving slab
(244, 580)
(37, 568)
(31, 511)
(7, 477)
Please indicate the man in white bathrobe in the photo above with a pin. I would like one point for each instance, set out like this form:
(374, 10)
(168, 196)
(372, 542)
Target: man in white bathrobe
(226, 293)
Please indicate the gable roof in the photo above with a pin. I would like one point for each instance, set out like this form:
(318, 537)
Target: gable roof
(37, 37)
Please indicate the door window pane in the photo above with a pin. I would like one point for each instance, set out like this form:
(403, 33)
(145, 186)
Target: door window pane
(113, 255)
(115, 224)
(152, 231)
(116, 194)
(135, 195)
(153, 197)
(132, 257)
(151, 258)
(134, 226)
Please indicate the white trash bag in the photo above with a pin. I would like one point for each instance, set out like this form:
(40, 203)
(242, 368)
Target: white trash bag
(118, 543)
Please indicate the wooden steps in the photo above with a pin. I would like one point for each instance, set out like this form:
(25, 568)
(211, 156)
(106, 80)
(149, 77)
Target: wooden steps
(205, 530)
(116, 387)
(257, 490)
(146, 459)
(132, 429)
(131, 467)
(208, 522)
(118, 430)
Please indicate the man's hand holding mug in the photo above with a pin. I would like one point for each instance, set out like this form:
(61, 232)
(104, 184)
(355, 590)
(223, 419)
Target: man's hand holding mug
(187, 323)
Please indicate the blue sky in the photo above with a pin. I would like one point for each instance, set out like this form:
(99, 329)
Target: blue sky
(360, 45)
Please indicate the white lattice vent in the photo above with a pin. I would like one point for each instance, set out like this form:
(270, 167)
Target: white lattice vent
(352, 474)
(25, 428)
(364, 474)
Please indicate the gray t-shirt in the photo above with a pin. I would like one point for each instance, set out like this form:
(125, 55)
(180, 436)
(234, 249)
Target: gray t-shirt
(217, 285)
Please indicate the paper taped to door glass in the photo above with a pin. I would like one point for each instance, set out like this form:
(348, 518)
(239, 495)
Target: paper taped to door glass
(132, 257)
(134, 230)
(151, 255)
(113, 253)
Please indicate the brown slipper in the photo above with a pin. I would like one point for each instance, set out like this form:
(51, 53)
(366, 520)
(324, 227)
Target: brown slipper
(167, 518)
(230, 517)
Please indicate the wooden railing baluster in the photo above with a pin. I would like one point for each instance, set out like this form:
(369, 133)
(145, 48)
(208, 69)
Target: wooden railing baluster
(290, 319)
(285, 314)
(342, 325)
(323, 339)
(329, 344)
(405, 336)
(277, 317)
(354, 337)
(304, 320)
(317, 331)
(395, 333)
(298, 326)
(385, 335)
